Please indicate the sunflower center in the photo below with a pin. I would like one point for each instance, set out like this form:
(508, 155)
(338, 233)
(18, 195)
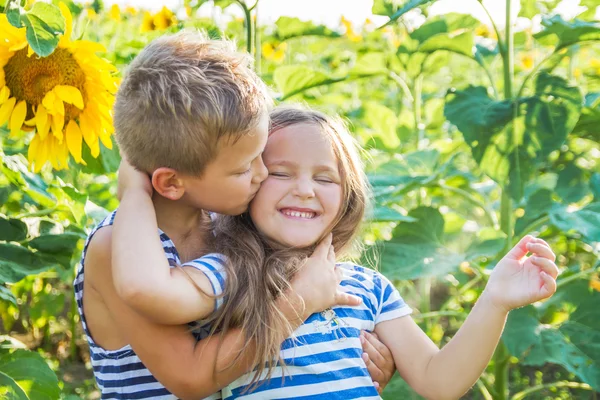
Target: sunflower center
(30, 78)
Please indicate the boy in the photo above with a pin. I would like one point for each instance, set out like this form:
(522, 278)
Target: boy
(193, 115)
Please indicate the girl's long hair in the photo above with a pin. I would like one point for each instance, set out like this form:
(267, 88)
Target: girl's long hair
(259, 271)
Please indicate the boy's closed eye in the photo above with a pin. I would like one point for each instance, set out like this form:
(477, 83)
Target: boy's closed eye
(244, 172)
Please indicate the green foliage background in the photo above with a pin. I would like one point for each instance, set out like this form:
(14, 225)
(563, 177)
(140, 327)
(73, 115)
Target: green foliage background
(474, 136)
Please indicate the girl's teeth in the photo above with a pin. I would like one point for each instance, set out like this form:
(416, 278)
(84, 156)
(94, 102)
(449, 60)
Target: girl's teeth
(299, 214)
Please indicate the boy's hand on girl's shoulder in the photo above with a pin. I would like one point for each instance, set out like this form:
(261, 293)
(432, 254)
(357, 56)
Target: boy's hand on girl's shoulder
(519, 280)
(317, 281)
(132, 179)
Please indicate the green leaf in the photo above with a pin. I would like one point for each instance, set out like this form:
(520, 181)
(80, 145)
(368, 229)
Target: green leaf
(44, 23)
(572, 344)
(595, 186)
(12, 230)
(371, 63)
(571, 185)
(15, 170)
(510, 155)
(16, 262)
(569, 33)
(538, 205)
(31, 373)
(223, 4)
(7, 295)
(418, 248)
(396, 8)
(447, 23)
(56, 248)
(386, 214)
(9, 390)
(291, 27)
(587, 126)
(293, 79)
(461, 43)
(383, 122)
(14, 14)
(585, 221)
(531, 8)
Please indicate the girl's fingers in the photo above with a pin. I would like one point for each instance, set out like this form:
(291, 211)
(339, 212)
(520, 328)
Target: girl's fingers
(546, 265)
(541, 241)
(331, 254)
(549, 285)
(541, 250)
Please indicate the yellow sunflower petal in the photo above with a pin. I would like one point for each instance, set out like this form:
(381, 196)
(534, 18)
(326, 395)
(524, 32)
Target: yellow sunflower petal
(17, 118)
(41, 156)
(74, 139)
(4, 94)
(105, 139)
(63, 155)
(41, 121)
(66, 13)
(6, 109)
(32, 150)
(69, 94)
(57, 125)
(59, 107)
(89, 135)
(48, 101)
(52, 150)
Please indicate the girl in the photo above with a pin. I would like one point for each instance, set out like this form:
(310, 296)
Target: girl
(315, 188)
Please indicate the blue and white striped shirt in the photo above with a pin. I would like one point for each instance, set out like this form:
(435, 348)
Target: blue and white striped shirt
(120, 374)
(323, 359)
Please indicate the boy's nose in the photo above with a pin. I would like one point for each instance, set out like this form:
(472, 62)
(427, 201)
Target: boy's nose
(261, 173)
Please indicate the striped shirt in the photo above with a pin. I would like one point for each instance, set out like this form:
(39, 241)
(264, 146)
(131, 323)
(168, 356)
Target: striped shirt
(120, 374)
(324, 356)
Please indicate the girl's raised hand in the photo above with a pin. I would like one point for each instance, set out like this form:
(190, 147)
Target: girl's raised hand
(519, 280)
(131, 178)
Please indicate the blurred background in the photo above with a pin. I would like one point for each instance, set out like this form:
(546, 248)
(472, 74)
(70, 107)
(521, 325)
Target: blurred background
(480, 124)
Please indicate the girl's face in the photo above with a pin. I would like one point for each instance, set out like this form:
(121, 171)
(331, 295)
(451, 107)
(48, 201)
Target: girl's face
(298, 202)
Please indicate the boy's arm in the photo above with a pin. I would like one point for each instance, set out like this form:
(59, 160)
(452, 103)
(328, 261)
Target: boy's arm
(448, 373)
(191, 369)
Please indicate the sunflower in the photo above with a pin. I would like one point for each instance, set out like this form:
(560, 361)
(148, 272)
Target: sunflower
(159, 21)
(274, 51)
(66, 97)
(350, 34)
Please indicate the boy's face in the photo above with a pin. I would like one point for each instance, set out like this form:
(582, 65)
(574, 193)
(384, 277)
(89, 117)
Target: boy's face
(299, 201)
(231, 180)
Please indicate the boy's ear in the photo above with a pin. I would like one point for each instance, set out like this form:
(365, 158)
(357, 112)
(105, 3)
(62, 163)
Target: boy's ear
(168, 183)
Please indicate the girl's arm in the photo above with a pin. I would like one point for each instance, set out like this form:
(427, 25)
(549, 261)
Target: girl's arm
(141, 272)
(448, 373)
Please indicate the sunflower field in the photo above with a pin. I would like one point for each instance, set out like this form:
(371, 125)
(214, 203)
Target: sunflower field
(475, 134)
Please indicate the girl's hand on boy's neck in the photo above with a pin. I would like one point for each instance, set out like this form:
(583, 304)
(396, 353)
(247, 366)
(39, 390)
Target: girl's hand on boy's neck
(131, 179)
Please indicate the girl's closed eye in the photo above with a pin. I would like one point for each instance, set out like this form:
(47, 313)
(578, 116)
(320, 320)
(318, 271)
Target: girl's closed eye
(324, 179)
(279, 174)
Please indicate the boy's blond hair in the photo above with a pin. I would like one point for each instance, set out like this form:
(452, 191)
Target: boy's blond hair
(180, 96)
